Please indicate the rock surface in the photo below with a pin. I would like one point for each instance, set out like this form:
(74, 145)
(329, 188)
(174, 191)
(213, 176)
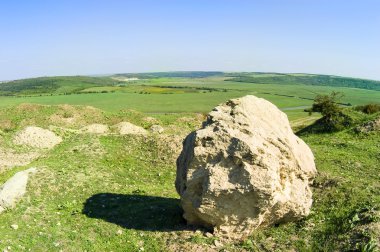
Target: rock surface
(14, 189)
(126, 128)
(37, 137)
(244, 169)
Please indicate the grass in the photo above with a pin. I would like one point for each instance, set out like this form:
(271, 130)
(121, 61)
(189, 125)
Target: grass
(103, 193)
(53, 85)
(178, 95)
(305, 79)
(116, 193)
(179, 101)
(150, 103)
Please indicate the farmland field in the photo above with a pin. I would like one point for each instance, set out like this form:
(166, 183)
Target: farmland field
(173, 95)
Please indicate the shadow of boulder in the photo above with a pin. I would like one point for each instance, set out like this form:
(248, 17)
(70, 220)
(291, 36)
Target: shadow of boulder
(139, 212)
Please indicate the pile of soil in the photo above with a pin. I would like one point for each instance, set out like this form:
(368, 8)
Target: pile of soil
(126, 128)
(37, 137)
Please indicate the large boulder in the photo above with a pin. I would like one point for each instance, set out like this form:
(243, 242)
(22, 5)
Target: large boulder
(244, 169)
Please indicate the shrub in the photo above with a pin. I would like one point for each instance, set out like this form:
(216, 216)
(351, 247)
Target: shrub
(328, 105)
(371, 108)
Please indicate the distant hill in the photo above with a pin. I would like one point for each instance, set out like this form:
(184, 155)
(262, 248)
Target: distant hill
(179, 74)
(76, 84)
(304, 79)
(59, 84)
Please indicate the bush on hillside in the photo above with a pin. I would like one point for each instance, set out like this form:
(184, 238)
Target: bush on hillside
(333, 117)
(371, 108)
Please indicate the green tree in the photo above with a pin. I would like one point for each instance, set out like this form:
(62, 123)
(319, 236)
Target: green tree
(328, 106)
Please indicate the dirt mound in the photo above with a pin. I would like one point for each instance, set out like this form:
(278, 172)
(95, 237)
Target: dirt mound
(95, 129)
(150, 119)
(37, 137)
(69, 115)
(126, 128)
(6, 125)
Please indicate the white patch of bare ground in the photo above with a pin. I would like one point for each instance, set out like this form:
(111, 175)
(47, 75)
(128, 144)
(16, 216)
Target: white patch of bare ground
(127, 128)
(9, 158)
(95, 128)
(37, 137)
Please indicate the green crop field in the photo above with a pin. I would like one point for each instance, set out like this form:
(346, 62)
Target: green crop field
(170, 94)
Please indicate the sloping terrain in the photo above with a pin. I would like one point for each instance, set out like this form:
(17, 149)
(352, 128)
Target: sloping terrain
(305, 79)
(53, 85)
(103, 192)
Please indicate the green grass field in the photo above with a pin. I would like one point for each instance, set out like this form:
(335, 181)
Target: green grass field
(163, 95)
(116, 193)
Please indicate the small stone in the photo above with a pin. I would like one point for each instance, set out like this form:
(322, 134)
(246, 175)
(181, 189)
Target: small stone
(156, 129)
(14, 226)
(218, 243)
(119, 232)
(208, 234)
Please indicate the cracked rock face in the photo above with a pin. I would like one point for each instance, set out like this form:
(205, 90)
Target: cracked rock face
(244, 169)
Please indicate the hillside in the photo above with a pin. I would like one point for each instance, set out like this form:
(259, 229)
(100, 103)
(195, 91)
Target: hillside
(52, 85)
(304, 79)
(78, 84)
(177, 74)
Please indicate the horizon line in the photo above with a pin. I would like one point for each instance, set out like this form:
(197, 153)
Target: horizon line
(186, 71)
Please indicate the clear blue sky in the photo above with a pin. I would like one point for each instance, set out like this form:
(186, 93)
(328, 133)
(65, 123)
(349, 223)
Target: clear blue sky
(73, 37)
